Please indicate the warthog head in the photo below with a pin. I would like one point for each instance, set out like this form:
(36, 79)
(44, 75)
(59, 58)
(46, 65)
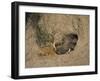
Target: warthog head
(49, 32)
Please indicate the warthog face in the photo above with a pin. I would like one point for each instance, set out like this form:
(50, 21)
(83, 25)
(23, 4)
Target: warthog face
(55, 33)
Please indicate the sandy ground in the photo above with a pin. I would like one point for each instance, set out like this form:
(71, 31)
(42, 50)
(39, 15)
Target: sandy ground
(80, 56)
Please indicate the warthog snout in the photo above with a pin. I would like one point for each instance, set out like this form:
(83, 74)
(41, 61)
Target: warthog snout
(68, 44)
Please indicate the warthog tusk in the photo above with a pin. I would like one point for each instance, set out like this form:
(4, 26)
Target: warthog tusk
(69, 50)
(54, 45)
